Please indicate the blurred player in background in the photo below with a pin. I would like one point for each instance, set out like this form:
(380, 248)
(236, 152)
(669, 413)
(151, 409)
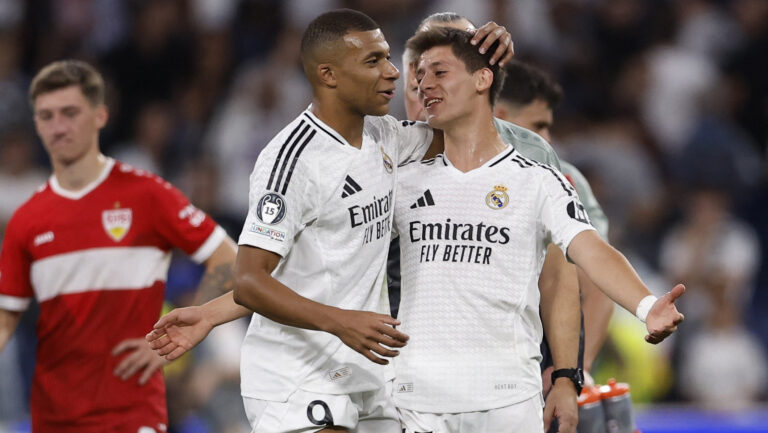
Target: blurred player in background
(93, 247)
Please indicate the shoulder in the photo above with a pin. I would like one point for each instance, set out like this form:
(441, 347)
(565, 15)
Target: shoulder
(527, 142)
(128, 176)
(382, 126)
(303, 136)
(422, 165)
(39, 201)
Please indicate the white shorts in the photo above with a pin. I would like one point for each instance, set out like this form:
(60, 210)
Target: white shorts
(361, 412)
(524, 417)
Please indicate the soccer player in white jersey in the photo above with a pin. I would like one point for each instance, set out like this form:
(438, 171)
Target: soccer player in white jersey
(313, 247)
(474, 224)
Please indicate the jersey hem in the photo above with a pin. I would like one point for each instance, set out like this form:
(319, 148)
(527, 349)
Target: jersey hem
(495, 404)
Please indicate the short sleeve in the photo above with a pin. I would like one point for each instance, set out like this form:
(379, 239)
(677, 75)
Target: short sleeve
(596, 215)
(280, 202)
(562, 214)
(412, 138)
(15, 262)
(183, 225)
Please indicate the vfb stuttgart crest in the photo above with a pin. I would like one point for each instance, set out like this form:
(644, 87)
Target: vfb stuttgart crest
(117, 222)
(388, 165)
(498, 198)
(271, 208)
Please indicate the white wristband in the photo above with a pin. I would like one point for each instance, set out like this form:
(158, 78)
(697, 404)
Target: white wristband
(644, 307)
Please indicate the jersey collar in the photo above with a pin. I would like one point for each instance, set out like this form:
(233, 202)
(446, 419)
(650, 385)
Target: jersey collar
(82, 192)
(504, 154)
(323, 127)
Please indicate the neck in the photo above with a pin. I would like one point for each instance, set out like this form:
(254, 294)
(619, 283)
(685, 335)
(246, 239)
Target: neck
(76, 175)
(347, 123)
(472, 141)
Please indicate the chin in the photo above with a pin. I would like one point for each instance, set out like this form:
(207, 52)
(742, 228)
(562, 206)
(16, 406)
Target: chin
(435, 122)
(382, 110)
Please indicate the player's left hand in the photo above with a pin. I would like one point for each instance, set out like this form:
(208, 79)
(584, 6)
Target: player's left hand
(663, 317)
(561, 404)
(140, 356)
(490, 33)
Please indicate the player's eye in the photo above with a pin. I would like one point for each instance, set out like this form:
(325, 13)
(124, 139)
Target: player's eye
(440, 73)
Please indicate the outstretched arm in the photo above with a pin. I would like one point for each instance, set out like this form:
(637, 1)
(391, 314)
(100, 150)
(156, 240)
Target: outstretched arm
(369, 333)
(597, 309)
(613, 274)
(560, 313)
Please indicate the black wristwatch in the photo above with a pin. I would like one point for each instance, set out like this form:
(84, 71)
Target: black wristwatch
(575, 374)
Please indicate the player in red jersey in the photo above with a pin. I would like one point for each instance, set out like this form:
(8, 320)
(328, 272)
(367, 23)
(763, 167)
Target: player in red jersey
(93, 247)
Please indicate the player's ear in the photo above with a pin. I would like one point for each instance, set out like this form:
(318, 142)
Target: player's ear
(483, 79)
(326, 74)
(102, 115)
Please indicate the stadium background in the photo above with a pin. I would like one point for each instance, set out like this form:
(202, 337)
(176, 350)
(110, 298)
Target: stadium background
(665, 111)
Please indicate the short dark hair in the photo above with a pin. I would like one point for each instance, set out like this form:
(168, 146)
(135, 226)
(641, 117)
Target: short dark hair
(332, 26)
(526, 84)
(459, 41)
(65, 73)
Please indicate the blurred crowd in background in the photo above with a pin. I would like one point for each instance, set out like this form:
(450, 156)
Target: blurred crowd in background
(665, 112)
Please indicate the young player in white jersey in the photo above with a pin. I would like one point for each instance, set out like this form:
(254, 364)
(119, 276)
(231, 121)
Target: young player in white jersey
(313, 246)
(474, 224)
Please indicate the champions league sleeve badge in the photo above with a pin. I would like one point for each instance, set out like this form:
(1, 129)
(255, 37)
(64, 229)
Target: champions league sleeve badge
(498, 198)
(271, 208)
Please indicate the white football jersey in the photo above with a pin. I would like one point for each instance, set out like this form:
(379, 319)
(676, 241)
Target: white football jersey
(326, 207)
(472, 248)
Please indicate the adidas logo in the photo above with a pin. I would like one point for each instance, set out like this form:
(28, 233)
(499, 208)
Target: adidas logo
(350, 187)
(424, 200)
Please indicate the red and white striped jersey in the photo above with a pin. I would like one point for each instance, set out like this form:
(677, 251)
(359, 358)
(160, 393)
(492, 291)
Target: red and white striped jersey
(96, 260)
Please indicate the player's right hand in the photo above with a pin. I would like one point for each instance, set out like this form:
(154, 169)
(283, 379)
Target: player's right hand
(369, 333)
(663, 317)
(178, 332)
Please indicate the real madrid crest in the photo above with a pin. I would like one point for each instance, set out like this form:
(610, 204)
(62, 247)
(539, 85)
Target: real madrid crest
(498, 198)
(271, 208)
(117, 222)
(388, 165)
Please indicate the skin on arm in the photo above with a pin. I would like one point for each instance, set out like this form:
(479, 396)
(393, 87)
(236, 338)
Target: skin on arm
(561, 314)
(8, 322)
(184, 328)
(597, 309)
(615, 277)
(219, 272)
(368, 333)
(139, 355)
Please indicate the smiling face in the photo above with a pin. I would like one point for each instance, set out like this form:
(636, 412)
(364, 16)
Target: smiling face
(68, 124)
(446, 89)
(364, 76)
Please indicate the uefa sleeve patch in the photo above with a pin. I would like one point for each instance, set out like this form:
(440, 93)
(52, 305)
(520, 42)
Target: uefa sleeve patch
(271, 209)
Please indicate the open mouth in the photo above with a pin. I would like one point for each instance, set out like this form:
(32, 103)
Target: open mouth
(389, 94)
(431, 101)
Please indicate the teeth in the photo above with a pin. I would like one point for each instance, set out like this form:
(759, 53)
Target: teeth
(432, 101)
